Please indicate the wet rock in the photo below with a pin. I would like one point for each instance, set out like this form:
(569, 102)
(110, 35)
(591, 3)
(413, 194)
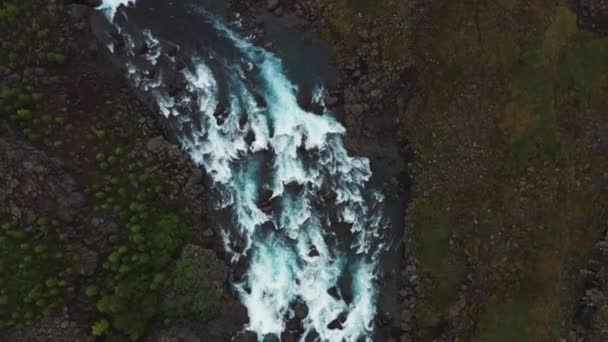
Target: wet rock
(173, 50)
(288, 337)
(260, 101)
(317, 108)
(78, 12)
(313, 252)
(333, 291)
(265, 203)
(196, 177)
(247, 336)
(221, 113)
(238, 245)
(239, 270)
(90, 3)
(250, 137)
(331, 101)
(384, 319)
(180, 65)
(338, 323)
(305, 101)
(301, 310)
(268, 46)
(270, 338)
(294, 325)
(142, 48)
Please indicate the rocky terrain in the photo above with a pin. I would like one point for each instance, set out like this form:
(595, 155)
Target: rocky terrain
(90, 175)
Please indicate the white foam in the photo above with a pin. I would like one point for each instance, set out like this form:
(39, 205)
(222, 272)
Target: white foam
(109, 7)
(282, 268)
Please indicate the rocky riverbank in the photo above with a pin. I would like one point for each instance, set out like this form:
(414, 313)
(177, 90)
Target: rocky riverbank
(72, 160)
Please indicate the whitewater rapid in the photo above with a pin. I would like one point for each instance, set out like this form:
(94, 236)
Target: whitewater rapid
(257, 145)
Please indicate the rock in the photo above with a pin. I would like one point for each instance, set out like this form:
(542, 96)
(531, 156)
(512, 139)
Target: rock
(356, 109)
(208, 233)
(11, 79)
(265, 202)
(247, 336)
(270, 338)
(268, 46)
(333, 291)
(238, 245)
(376, 93)
(88, 260)
(272, 5)
(260, 101)
(196, 177)
(337, 324)
(173, 50)
(330, 101)
(90, 3)
(79, 12)
(301, 311)
(313, 252)
(142, 48)
(364, 35)
(288, 337)
(383, 319)
(156, 144)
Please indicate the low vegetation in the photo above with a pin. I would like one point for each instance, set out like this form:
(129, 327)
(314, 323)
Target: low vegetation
(507, 160)
(34, 273)
(121, 183)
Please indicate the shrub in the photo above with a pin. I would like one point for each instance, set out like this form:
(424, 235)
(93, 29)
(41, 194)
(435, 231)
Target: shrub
(32, 276)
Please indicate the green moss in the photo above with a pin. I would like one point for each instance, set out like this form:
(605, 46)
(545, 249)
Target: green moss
(32, 277)
(511, 324)
(191, 293)
(441, 271)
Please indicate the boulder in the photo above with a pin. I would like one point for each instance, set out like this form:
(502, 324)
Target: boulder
(272, 5)
(301, 310)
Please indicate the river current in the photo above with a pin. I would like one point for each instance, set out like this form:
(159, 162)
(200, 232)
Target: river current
(310, 226)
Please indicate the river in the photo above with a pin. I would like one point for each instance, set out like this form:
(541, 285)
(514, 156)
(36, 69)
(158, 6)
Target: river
(300, 213)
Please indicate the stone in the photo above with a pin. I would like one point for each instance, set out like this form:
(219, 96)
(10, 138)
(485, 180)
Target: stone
(330, 101)
(156, 144)
(288, 337)
(356, 109)
(196, 177)
(246, 336)
(88, 260)
(333, 291)
(208, 233)
(301, 311)
(338, 323)
(11, 79)
(272, 5)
